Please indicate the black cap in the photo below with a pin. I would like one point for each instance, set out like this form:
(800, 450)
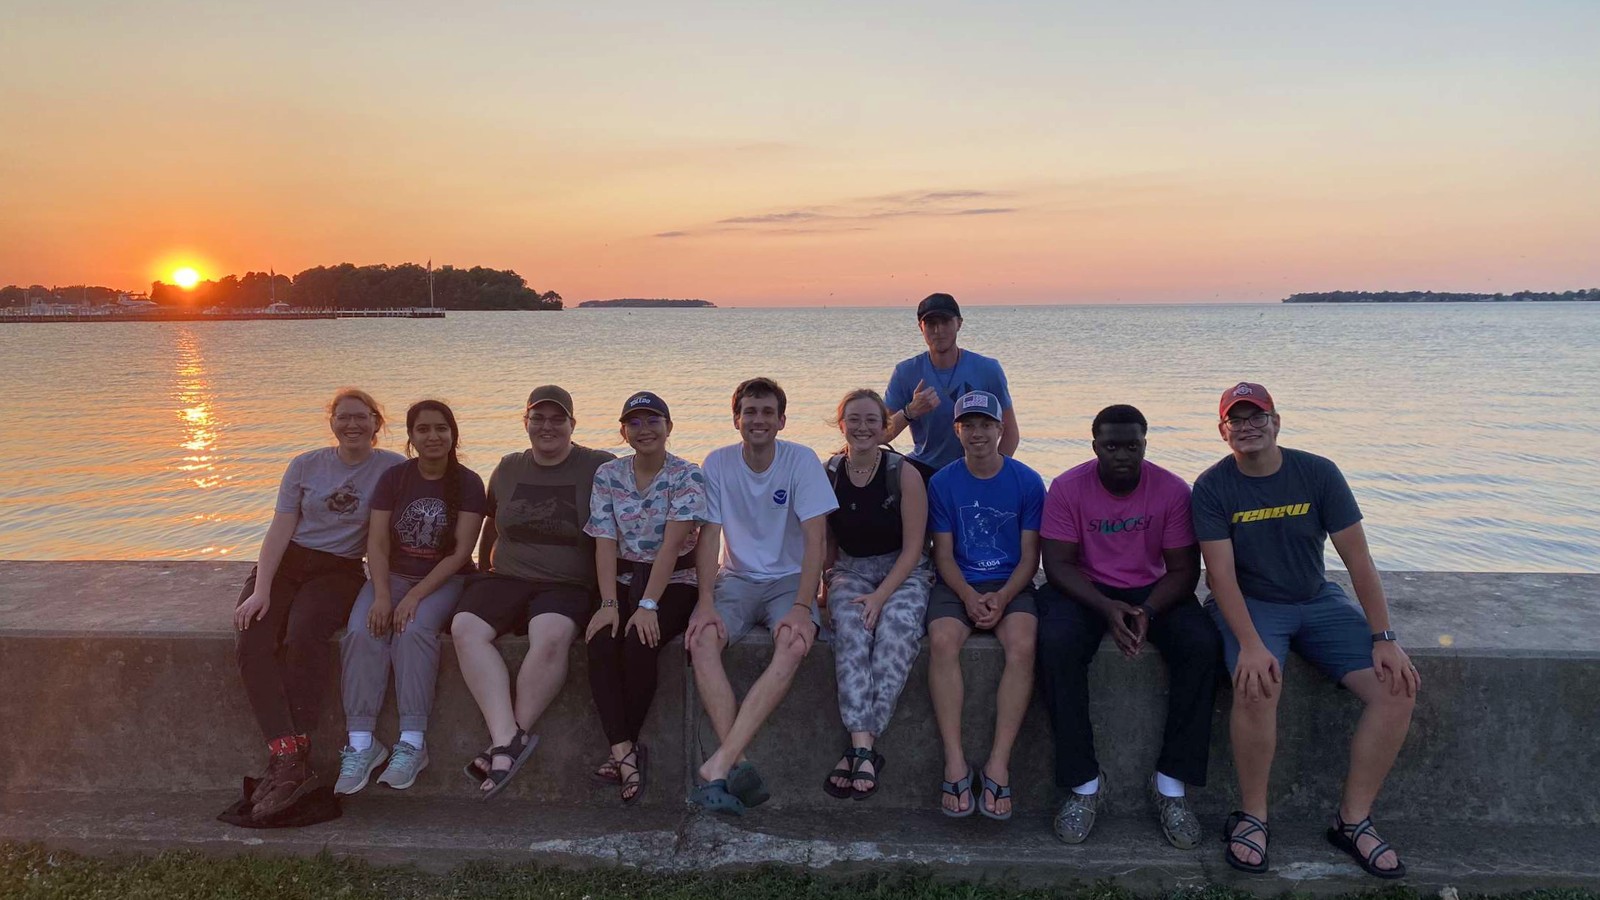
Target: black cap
(645, 400)
(549, 393)
(938, 305)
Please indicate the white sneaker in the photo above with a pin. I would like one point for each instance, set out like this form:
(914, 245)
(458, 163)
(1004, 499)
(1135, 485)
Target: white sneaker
(407, 764)
(356, 766)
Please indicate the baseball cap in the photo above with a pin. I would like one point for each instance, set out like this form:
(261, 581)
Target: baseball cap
(1244, 392)
(549, 393)
(645, 400)
(938, 305)
(980, 403)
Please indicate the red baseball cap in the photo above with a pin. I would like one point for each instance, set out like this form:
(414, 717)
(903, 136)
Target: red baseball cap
(1244, 392)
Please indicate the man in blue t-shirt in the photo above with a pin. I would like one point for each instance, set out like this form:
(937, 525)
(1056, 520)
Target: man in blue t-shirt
(984, 512)
(1261, 516)
(924, 388)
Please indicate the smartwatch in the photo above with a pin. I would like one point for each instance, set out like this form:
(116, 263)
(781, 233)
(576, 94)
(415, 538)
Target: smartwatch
(649, 604)
(1383, 636)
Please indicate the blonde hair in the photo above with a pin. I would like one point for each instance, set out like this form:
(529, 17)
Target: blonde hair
(860, 394)
(357, 394)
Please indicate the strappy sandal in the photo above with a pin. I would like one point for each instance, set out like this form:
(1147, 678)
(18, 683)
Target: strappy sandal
(956, 789)
(518, 750)
(745, 783)
(865, 756)
(636, 781)
(1000, 792)
(1243, 839)
(606, 774)
(1346, 836)
(714, 797)
(835, 791)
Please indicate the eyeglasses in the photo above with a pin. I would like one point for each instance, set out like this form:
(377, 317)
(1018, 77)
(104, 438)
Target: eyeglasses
(858, 421)
(1254, 420)
(353, 418)
(555, 421)
(645, 422)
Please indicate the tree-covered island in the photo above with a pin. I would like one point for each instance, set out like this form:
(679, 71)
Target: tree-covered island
(634, 303)
(1593, 294)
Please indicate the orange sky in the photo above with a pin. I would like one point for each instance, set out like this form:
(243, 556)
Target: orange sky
(1161, 152)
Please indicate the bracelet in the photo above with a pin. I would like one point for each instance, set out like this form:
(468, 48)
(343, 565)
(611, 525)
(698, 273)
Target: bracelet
(906, 411)
(607, 604)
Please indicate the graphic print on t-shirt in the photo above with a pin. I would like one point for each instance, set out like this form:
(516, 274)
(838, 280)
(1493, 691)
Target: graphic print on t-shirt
(421, 527)
(980, 534)
(346, 499)
(543, 514)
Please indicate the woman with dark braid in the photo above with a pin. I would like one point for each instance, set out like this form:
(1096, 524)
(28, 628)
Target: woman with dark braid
(426, 513)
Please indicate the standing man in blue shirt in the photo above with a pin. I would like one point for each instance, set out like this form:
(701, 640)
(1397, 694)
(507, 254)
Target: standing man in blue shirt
(923, 389)
(1262, 514)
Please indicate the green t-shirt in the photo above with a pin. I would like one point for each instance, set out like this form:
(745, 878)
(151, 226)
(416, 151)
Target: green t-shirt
(539, 513)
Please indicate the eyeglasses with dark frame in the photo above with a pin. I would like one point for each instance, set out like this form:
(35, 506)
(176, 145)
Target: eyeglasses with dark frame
(1256, 419)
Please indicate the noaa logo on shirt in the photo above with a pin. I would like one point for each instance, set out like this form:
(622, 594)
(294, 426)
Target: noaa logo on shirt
(780, 497)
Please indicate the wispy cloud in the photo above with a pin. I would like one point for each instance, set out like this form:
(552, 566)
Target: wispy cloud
(852, 215)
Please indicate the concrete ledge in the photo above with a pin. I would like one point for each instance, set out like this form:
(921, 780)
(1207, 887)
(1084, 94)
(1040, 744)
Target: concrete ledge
(134, 662)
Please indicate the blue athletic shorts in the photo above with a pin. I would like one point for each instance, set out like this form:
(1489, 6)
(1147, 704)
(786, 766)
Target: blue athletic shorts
(1330, 631)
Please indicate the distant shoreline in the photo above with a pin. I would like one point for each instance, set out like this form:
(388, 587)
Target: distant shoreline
(1591, 295)
(631, 303)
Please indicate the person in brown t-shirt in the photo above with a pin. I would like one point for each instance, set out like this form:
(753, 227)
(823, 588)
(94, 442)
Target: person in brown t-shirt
(538, 580)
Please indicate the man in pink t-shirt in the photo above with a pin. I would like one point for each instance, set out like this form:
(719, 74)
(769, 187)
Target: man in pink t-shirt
(1120, 555)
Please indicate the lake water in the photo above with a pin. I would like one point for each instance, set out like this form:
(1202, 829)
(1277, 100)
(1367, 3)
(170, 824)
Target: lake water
(1469, 432)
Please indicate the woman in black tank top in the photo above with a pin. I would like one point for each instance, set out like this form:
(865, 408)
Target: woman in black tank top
(876, 587)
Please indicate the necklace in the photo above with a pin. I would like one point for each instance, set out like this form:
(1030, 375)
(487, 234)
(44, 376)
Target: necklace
(868, 471)
(945, 383)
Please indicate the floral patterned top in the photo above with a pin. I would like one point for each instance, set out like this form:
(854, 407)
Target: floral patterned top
(637, 520)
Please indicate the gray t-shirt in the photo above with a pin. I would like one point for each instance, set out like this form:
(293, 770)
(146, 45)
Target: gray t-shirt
(1278, 523)
(332, 499)
(539, 513)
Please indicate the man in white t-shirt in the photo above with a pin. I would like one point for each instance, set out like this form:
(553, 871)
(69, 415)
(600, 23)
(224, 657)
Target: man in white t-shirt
(770, 500)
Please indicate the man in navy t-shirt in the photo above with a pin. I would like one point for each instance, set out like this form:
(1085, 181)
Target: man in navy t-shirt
(984, 512)
(923, 389)
(1261, 516)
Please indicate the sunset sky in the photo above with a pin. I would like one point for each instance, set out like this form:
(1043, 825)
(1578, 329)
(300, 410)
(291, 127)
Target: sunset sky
(824, 152)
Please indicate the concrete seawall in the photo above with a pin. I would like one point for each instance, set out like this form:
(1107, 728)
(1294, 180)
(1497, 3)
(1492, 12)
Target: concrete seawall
(130, 692)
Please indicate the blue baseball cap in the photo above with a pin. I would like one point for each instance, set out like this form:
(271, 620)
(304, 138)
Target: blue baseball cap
(644, 400)
(979, 403)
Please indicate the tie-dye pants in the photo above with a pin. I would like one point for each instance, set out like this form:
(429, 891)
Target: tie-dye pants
(872, 665)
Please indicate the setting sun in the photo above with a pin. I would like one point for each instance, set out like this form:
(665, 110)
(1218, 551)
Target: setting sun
(186, 277)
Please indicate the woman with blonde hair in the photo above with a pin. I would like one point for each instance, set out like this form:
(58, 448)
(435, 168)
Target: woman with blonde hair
(302, 587)
(877, 584)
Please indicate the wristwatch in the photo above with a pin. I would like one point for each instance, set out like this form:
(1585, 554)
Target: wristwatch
(1383, 636)
(649, 604)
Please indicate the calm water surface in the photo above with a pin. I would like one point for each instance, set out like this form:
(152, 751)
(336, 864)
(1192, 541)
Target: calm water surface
(1468, 432)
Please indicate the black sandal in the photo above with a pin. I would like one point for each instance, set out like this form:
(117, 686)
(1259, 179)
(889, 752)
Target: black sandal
(637, 781)
(606, 774)
(478, 769)
(518, 750)
(834, 790)
(1243, 840)
(864, 756)
(1345, 836)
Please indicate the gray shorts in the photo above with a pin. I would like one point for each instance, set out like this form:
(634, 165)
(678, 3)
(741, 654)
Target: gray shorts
(944, 604)
(744, 604)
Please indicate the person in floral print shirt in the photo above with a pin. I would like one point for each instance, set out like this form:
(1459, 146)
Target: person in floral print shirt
(644, 557)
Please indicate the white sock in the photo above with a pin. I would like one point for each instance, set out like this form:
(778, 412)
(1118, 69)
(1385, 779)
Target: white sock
(361, 740)
(414, 738)
(1168, 786)
(1088, 787)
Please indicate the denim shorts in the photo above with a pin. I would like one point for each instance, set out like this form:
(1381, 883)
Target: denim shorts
(1330, 631)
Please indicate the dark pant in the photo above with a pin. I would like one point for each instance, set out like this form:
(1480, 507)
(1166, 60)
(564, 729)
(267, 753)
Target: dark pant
(622, 670)
(286, 659)
(1070, 634)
